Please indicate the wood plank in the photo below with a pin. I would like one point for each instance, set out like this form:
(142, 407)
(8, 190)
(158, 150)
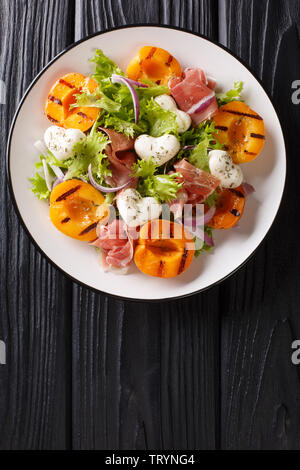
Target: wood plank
(145, 376)
(260, 386)
(35, 299)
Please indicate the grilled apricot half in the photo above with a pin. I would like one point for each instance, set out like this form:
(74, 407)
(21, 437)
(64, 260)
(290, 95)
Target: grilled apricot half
(62, 96)
(241, 130)
(155, 64)
(73, 209)
(164, 249)
(229, 209)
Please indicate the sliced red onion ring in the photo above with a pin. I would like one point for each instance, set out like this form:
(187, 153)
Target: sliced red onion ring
(198, 231)
(135, 83)
(209, 214)
(201, 105)
(40, 146)
(57, 171)
(188, 147)
(125, 81)
(104, 189)
(248, 188)
(56, 182)
(47, 175)
(208, 240)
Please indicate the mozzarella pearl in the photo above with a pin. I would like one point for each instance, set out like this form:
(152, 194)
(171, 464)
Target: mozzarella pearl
(136, 210)
(60, 141)
(160, 149)
(222, 167)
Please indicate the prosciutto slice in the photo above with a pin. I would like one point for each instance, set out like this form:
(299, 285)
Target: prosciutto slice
(197, 183)
(194, 94)
(116, 245)
(176, 206)
(121, 158)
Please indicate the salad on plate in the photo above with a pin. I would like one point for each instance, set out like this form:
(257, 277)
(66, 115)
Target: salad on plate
(145, 165)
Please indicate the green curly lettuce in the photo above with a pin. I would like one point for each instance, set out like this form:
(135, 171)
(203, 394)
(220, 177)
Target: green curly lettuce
(86, 152)
(39, 186)
(232, 95)
(163, 187)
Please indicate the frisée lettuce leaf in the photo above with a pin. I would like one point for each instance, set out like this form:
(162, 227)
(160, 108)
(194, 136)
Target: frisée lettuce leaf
(39, 186)
(232, 95)
(163, 187)
(86, 152)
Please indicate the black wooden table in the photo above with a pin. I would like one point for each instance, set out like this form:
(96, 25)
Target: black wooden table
(85, 371)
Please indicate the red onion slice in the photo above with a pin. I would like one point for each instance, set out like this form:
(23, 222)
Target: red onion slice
(125, 81)
(198, 231)
(104, 189)
(135, 83)
(56, 182)
(208, 240)
(188, 147)
(248, 188)
(57, 171)
(209, 214)
(202, 104)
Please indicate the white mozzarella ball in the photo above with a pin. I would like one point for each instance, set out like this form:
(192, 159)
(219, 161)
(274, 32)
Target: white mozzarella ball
(222, 167)
(60, 141)
(160, 149)
(136, 210)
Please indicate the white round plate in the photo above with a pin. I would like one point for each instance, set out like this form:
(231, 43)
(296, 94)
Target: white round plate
(78, 259)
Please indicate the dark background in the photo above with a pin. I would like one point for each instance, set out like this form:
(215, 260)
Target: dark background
(85, 371)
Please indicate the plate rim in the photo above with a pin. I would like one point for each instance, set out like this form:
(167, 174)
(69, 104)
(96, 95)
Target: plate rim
(8, 169)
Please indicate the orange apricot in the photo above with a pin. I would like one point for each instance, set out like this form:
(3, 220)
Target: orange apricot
(165, 249)
(229, 209)
(73, 209)
(62, 96)
(241, 130)
(155, 64)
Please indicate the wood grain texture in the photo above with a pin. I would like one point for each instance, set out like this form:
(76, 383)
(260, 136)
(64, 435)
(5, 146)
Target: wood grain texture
(210, 371)
(260, 386)
(145, 376)
(35, 301)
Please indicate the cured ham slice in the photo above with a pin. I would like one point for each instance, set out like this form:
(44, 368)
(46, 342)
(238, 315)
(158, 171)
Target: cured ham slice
(121, 158)
(211, 83)
(116, 245)
(194, 94)
(197, 183)
(176, 206)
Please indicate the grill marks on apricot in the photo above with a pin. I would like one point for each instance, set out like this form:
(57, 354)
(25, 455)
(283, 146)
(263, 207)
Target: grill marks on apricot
(241, 131)
(165, 249)
(62, 96)
(229, 209)
(73, 209)
(153, 63)
(68, 193)
(89, 228)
